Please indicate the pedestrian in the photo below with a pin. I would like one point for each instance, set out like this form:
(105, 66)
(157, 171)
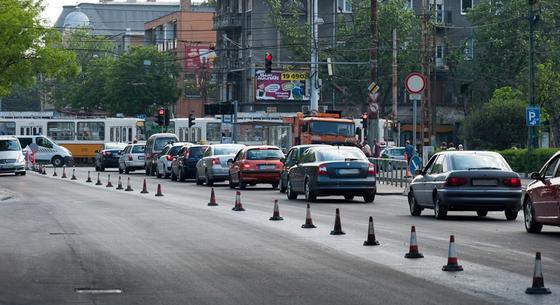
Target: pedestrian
(366, 148)
(443, 145)
(460, 147)
(376, 149)
(451, 146)
(409, 150)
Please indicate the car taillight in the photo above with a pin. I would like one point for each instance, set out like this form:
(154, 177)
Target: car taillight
(187, 154)
(455, 181)
(106, 153)
(371, 169)
(129, 157)
(215, 161)
(169, 158)
(321, 169)
(513, 182)
(245, 165)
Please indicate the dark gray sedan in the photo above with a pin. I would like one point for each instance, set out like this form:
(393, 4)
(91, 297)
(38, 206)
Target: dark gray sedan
(325, 171)
(478, 181)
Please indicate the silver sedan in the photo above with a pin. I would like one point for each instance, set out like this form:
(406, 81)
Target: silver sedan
(213, 166)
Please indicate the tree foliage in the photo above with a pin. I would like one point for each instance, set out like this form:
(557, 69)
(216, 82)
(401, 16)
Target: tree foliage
(498, 124)
(28, 48)
(549, 96)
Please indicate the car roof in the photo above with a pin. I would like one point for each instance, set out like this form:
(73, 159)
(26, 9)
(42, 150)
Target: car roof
(232, 144)
(261, 147)
(8, 138)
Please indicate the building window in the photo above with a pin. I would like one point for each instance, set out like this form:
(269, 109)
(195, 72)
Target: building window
(7, 128)
(191, 88)
(249, 5)
(409, 4)
(439, 55)
(465, 6)
(469, 49)
(344, 6)
(439, 13)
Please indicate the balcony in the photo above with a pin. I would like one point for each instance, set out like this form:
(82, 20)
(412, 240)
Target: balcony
(226, 21)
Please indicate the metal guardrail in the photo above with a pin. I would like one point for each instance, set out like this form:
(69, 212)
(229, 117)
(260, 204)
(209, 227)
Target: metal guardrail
(391, 172)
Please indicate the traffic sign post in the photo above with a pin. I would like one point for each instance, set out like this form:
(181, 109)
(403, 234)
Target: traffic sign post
(415, 83)
(533, 116)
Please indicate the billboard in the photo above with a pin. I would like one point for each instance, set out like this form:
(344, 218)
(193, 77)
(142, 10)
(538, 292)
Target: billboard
(281, 86)
(195, 57)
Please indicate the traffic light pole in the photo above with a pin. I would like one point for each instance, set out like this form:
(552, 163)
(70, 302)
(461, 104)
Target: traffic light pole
(532, 138)
(314, 90)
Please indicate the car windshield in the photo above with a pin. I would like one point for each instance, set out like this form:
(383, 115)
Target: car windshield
(478, 161)
(138, 149)
(174, 150)
(396, 152)
(196, 152)
(264, 154)
(340, 155)
(332, 128)
(9, 145)
(113, 151)
(226, 150)
(161, 142)
(114, 146)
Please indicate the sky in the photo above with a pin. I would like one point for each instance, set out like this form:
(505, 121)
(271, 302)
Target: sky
(53, 8)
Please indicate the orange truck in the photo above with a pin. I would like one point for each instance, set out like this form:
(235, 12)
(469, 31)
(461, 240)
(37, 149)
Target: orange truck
(321, 128)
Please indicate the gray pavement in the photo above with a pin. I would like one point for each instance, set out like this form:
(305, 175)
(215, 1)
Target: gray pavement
(59, 235)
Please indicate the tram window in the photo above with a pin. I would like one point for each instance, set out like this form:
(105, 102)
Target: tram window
(112, 134)
(7, 128)
(91, 131)
(129, 134)
(140, 132)
(61, 130)
(213, 132)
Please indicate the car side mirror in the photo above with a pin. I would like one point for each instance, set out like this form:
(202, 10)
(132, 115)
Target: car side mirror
(536, 176)
(283, 160)
(418, 172)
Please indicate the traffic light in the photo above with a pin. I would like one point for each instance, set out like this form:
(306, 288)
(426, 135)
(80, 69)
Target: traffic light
(191, 120)
(268, 63)
(364, 121)
(167, 115)
(161, 116)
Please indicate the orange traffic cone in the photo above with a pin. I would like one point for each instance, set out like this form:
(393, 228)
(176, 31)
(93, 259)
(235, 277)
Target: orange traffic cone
(308, 221)
(406, 165)
(98, 180)
(73, 174)
(538, 279)
(337, 225)
(212, 202)
(276, 212)
(119, 184)
(64, 172)
(371, 241)
(452, 260)
(144, 188)
(54, 171)
(413, 249)
(109, 184)
(88, 177)
(128, 187)
(159, 193)
(238, 206)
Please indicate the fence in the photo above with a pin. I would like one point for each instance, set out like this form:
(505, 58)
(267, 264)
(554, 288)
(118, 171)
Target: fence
(391, 172)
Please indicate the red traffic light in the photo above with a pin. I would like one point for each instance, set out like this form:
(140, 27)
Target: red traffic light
(364, 116)
(268, 56)
(161, 111)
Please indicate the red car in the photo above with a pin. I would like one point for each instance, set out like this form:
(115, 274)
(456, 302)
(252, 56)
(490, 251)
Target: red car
(542, 201)
(256, 164)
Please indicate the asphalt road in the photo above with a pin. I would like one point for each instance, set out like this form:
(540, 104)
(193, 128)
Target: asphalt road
(59, 235)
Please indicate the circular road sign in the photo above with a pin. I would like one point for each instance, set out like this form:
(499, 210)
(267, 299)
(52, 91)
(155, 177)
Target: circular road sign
(415, 82)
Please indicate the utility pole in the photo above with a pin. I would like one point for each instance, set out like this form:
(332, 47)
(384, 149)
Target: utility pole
(394, 84)
(532, 137)
(425, 54)
(313, 71)
(373, 122)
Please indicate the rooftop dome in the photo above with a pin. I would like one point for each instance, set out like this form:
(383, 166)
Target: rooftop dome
(76, 19)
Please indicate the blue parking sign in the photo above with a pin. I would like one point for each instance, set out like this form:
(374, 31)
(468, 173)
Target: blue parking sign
(533, 116)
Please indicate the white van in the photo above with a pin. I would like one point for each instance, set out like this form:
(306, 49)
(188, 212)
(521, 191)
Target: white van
(46, 151)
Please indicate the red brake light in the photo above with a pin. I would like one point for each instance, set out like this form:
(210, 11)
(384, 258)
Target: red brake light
(215, 161)
(169, 158)
(455, 181)
(129, 157)
(246, 165)
(321, 169)
(513, 182)
(187, 154)
(106, 153)
(371, 169)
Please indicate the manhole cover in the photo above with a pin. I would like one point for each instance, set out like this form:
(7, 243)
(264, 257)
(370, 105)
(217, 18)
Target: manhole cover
(98, 291)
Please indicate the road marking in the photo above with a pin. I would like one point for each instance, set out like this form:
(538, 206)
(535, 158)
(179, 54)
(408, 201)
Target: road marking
(98, 291)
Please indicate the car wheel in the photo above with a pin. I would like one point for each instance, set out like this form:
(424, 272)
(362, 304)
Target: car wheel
(158, 175)
(197, 179)
(274, 186)
(369, 198)
(57, 161)
(289, 191)
(349, 197)
(511, 214)
(439, 211)
(210, 182)
(531, 224)
(102, 168)
(309, 194)
(181, 175)
(173, 176)
(120, 170)
(415, 210)
(481, 213)
(96, 168)
(126, 170)
(282, 186)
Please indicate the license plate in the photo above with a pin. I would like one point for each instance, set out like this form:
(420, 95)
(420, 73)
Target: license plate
(484, 182)
(140, 157)
(267, 167)
(348, 171)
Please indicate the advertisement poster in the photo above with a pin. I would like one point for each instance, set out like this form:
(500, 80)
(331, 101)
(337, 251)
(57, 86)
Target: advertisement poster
(287, 86)
(194, 57)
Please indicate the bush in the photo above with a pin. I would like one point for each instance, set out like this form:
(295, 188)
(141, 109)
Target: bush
(522, 162)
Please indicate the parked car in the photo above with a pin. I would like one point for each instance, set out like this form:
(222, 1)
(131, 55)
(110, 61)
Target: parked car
(132, 158)
(46, 150)
(213, 166)
(325, 171)
(292, 157)
(12, 159)
(108, 156)
(542, 200)
(154, 146)
(163, 163)
(184, 164)
(256, 164)
(478, 181)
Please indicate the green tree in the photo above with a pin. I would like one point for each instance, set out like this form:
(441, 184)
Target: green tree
(549, 96)
(28, 47)
(500, 123)
(141, 79)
